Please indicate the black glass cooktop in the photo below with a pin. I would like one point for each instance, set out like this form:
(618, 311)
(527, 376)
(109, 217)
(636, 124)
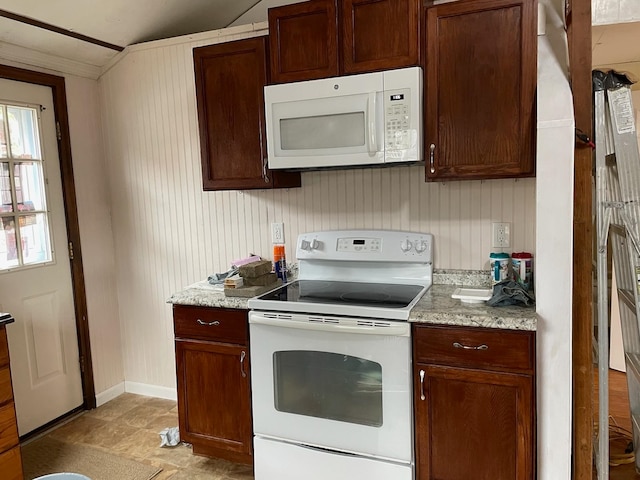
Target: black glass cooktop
(345, 293)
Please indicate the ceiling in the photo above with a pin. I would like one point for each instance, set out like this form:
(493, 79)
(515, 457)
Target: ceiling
(119, 22)
(617, 47)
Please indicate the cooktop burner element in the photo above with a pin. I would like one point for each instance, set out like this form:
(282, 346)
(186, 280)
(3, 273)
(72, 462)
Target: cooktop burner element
(350, 293)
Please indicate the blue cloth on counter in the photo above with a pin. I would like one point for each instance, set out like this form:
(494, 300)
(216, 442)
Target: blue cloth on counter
(510, 293)
(218, 278)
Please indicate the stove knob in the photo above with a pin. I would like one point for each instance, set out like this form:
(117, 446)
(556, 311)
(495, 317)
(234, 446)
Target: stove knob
(421, 246)
(305, 245)
(315, 244)
(406, 245)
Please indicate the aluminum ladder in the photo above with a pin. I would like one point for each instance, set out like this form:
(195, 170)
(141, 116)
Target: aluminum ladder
(617, 184)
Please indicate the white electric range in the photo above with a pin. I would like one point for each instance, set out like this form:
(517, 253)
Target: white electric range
(331, 358)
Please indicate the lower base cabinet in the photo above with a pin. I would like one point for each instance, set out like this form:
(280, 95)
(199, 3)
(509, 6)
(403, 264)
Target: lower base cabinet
(474, 403)
(10, 458)
(214, 395)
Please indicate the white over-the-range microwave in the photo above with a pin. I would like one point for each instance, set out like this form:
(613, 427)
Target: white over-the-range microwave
(368, 119)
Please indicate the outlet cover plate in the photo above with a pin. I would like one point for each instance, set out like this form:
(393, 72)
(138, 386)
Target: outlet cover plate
(277, 232)
(501, 234)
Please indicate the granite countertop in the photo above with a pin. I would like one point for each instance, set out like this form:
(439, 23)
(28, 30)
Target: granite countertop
(435, 307)
(203, 294)
(6, 318)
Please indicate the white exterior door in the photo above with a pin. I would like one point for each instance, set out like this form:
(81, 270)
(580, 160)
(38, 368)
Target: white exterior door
(35, 276)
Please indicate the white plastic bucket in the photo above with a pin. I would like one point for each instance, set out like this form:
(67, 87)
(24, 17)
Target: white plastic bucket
(63, 476)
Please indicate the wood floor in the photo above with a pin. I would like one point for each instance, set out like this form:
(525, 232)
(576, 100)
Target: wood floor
(619, 413)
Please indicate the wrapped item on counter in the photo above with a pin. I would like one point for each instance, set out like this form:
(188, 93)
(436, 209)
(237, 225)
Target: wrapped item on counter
(234, 281)
(261, 281)
(248, 292)
(255, 269)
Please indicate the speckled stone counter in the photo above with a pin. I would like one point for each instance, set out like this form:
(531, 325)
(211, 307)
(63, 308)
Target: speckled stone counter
(436, 307)
(203, 294)
(5, 318)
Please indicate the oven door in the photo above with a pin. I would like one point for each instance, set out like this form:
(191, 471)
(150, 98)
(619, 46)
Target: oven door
(336, 383)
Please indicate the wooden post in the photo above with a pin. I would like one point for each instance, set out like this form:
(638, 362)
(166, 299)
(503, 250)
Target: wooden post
(579, 37)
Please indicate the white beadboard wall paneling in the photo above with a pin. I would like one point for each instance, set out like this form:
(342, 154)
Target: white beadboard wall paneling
(168, 233)
(94, 216)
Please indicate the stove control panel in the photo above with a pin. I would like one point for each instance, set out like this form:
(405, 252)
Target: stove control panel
(359, 244)
(366, 245)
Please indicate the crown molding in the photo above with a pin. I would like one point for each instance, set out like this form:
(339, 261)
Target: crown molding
(33, 58)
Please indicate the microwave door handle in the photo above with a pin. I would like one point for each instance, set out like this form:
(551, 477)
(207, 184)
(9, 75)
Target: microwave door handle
(371, 107)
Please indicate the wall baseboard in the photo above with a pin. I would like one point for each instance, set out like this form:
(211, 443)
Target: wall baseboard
(151, 390)
(138, 389)
(109, 394)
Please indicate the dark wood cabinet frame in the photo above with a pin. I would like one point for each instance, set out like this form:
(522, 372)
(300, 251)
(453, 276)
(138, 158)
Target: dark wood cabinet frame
(58, 92)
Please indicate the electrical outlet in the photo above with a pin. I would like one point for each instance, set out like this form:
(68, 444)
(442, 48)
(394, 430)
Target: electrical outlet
(277, 233)
(501, 234)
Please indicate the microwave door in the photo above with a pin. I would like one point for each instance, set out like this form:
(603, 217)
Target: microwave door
(326, 132)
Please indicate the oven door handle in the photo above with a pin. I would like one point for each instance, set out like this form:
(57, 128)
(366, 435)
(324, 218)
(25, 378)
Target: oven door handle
(397, 329)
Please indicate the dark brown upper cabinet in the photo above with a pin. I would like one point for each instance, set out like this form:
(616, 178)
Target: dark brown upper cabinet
(480, 74)
(230, 78)
(325, 38)
(379, 34)
(304, 41)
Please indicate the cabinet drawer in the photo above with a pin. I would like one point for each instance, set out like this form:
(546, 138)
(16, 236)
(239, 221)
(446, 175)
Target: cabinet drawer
(4, 347)
(11, 464)
(6, 393)
(217, 324)
(489, 349)
(8, 428)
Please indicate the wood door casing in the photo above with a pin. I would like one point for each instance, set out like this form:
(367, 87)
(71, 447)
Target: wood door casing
(379, 34)
(480, 83)
(214, 406)
(230, 78)
(304, 41)
(473, 424)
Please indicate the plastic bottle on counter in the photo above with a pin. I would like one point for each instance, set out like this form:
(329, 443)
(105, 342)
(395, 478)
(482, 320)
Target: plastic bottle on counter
(522, 267)
(499, 267)
(279, 262)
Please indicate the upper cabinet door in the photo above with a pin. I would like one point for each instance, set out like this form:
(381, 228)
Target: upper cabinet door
(230, 78)
(379, 34)
(480, 89)
(304, 41)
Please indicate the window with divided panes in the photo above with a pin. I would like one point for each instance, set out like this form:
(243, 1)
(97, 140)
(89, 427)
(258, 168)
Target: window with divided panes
(25, 238)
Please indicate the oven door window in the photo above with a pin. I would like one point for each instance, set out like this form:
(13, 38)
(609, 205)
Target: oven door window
(328, 385)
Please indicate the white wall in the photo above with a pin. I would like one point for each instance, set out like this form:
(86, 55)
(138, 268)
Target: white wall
(605, 12)
(95, 225)
(169, 233)
(94, 215)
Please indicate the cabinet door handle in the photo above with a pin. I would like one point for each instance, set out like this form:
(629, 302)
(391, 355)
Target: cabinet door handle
(209, 324)
(432, 163)
(471, 347)
(243, 355)
(265, 175)
(422, 397)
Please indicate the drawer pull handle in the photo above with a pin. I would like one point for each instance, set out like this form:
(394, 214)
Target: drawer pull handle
(467, 347)
(209, 324)
(243, 354)
(422, 397)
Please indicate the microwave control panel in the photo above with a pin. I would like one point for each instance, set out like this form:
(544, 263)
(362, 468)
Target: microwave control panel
(397, 115)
